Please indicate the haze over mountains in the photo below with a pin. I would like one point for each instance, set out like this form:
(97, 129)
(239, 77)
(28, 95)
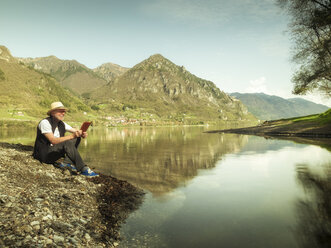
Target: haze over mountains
(266, 107)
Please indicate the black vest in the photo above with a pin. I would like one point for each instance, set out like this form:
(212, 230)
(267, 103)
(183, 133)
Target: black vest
(42, 144)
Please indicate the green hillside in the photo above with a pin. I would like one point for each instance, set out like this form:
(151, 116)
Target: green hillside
(69, 73)
(155, 91)
(300, 129)
(266, 107)
(26, 94)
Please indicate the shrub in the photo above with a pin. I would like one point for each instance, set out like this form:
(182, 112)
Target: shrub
(2, 75)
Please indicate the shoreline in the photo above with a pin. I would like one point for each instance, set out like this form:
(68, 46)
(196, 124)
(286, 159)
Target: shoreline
(314, 129)
(22, 123)
(284, 128)
(43, 206)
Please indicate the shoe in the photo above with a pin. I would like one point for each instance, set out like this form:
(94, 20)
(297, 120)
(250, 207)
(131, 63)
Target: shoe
(70, 167)
(59, 165)
(89, 173)
(64, 166)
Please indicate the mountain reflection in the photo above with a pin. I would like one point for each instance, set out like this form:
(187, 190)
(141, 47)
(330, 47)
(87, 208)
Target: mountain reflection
(158, 159)
(314, 212)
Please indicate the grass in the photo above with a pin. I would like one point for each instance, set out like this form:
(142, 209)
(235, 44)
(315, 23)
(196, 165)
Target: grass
(319, 119)
(322, 118)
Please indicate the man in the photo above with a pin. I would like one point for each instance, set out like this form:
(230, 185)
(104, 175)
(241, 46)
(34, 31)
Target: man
(51, 143)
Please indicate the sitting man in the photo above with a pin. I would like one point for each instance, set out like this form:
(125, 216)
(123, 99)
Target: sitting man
(51, 144)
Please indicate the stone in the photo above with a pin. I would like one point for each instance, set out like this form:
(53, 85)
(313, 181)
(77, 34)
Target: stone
(83, 221)
(27, 228)
(58, 239)
(49, 174)
(36, 227)
(47, 217)
(48, 241)
(87, 237)
(8, 205)
(11, 198)
(41, 207)
(34, 223)
(73, 241)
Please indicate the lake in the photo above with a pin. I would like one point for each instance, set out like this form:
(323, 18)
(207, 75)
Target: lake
(213, 190)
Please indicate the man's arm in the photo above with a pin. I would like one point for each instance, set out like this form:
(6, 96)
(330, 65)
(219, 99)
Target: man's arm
(82, 134)
(54, 140)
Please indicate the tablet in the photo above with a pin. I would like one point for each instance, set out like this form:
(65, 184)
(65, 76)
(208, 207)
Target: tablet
(85, 125)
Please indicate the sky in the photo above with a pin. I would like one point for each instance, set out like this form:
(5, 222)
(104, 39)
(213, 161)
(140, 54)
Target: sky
(240, 45)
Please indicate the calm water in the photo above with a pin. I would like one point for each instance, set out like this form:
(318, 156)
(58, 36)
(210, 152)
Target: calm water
(214, 190)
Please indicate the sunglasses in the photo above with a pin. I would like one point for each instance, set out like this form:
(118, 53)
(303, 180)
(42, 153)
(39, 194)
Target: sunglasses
(61, 111)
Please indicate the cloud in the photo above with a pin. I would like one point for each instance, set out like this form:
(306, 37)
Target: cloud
(206, 12)
(257, 86)
(187, 10)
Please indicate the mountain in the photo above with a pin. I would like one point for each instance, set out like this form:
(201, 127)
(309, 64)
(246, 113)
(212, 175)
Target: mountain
(266, 107)
(109, 71)
(69, 73)
(29, 93)
(158, 86)
(307, 107)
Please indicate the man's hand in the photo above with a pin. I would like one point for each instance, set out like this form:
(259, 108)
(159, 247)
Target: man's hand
(84, 134)
(78, 133)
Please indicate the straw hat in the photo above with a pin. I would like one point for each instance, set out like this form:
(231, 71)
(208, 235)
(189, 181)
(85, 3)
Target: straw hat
(56, 106)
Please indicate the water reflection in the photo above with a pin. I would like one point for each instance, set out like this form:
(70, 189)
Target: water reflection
(247, 200)
(18, 135)
(314, 210)
(215, 190)
(158, 159)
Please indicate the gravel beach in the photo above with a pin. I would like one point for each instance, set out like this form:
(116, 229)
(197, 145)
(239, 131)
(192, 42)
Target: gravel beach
(43, 206)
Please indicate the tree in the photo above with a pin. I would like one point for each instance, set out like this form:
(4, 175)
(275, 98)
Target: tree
(310, 27)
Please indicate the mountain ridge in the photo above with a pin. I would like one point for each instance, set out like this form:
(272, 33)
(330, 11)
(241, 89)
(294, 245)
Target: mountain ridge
(70, 73)
(271, 107)
(171, 89)
(109, 71)
(155, 88)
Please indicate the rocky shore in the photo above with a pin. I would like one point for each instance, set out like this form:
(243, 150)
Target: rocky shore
(43, 206)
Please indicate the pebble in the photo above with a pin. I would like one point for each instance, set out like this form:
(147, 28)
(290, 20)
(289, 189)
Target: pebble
(27, 228)
(49, 174)
(48, 217)
(42, 207)
(73, 241)
(83, 221)
(11, 198)
(87, 237)
(36, 227)
(8, 205)
(34, 223)
(58, 239)
(48, 241)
